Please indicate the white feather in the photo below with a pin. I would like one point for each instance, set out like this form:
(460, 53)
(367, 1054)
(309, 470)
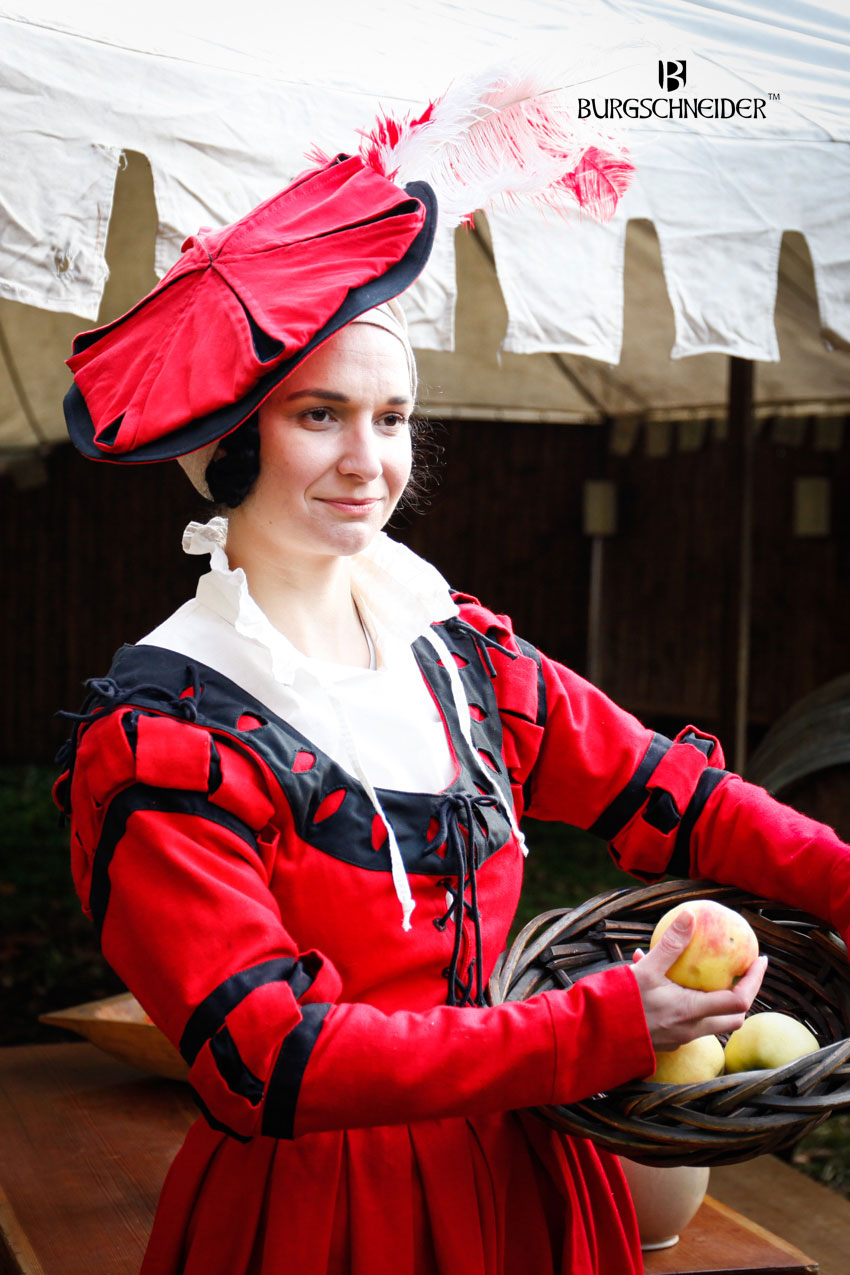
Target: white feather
(499, 135)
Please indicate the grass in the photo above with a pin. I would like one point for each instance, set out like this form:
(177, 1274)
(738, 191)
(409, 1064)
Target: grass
(49, 957)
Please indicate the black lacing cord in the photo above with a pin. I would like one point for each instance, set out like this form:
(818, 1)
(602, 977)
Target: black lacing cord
(108, 695)
(450, 830)
(106, 688)
(483, 642)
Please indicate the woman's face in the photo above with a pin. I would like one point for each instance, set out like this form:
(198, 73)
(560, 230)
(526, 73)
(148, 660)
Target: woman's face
(335, 450)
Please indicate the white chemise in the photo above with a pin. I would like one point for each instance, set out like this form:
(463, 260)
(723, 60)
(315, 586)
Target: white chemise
(398, 734)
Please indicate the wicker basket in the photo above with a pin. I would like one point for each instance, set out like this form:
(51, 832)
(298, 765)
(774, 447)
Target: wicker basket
(717, 1121)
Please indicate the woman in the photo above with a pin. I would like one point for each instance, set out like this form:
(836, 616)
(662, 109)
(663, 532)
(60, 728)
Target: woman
(295, 805)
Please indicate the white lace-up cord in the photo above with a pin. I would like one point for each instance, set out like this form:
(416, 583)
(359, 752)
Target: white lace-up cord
(400, 881)
(465, 720)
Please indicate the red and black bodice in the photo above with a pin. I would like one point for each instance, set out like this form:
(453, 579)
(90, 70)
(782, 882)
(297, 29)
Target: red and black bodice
(241, 879)
(444, 837)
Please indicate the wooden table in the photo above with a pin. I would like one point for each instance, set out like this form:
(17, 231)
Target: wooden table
(720, 1241)
(85, 1143)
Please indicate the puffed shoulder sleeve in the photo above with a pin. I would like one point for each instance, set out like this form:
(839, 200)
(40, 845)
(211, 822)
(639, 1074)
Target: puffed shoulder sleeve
(172, 850)
(663, 805)
(175, 834)
(574, 756)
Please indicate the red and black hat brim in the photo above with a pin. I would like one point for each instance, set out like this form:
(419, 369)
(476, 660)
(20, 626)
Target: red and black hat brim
(214, 425)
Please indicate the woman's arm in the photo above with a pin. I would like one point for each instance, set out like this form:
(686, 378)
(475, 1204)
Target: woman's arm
(175, 837)
(664, 806)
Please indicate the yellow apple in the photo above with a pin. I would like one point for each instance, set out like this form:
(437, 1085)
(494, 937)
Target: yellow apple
(723, 947)
(768, 1039)
(700, 1059)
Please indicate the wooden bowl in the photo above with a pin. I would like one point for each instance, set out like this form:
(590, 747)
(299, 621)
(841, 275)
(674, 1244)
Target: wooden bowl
(119, 1026)
(730, 1118)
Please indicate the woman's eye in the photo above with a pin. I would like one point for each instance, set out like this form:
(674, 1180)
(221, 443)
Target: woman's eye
(318, 415)
(394, 421)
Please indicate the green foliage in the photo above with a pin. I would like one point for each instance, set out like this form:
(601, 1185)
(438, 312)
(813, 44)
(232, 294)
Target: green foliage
(824, 1154)
(49, 957)
(565, 867)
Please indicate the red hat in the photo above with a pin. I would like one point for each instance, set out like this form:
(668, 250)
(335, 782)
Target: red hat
(241, 308)
(244, 305)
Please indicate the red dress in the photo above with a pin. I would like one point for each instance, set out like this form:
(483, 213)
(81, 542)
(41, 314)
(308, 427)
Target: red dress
(363, 1111)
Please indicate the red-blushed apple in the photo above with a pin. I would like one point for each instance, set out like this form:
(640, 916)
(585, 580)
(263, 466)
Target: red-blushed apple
(700, 1059)
(722, 949)
(768, 1039)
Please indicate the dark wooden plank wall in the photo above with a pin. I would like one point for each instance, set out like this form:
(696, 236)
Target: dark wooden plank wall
(504, 524)
(92, 560)
(668, 586)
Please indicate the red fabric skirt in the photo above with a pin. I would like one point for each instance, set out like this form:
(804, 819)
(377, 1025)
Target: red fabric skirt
(498, 1195)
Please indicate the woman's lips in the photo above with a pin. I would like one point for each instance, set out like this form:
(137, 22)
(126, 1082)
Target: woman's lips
(349, 505)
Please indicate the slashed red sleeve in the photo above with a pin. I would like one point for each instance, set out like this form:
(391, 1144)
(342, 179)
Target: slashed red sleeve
(663, 805)
(576, 757)
(177, 870)
(747, 838)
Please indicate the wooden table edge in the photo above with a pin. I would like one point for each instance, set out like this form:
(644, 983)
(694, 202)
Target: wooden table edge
(809, 1263)
(17, 1256)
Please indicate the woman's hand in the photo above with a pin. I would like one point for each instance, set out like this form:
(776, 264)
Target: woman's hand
(674, 1014)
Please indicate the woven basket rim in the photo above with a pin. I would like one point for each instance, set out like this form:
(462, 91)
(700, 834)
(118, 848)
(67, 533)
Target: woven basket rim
(730, 1118)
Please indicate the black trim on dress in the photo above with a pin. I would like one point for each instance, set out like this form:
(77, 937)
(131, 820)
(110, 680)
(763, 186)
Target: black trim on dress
(680, 859)
(142, 797)
(629, 801)
(345, 834)
(210, 1015)
(285, 1081)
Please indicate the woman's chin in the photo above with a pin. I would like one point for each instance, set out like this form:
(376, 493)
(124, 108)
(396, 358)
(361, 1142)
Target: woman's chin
(346, 541)
(340, 532)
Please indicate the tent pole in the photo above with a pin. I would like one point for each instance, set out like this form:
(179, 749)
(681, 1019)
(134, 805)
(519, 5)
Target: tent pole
(594, 612)
(735, 694)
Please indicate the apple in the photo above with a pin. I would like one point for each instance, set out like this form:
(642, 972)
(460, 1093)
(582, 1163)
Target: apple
(723, 947)
(700, 1059)
(768, 1039)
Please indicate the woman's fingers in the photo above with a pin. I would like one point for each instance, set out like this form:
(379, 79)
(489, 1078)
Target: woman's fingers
(673, 942)
(748, 985)
(675, 1014)
(718, 1013)
(735, 1000)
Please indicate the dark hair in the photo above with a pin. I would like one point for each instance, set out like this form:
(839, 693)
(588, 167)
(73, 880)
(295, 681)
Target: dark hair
(236, 465)
(233, 470)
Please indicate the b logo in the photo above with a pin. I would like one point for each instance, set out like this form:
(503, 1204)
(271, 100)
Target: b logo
(672, 75)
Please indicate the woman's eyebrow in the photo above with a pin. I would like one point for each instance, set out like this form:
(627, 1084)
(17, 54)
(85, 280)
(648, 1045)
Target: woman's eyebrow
(333, 396)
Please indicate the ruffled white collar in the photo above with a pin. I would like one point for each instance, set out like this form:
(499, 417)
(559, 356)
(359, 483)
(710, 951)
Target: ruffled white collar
(398, 593)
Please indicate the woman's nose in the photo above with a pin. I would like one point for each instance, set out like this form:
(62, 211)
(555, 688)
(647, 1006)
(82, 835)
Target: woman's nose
(361, 455)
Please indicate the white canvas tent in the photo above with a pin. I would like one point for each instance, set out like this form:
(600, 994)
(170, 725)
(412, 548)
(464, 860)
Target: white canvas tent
(222, 100)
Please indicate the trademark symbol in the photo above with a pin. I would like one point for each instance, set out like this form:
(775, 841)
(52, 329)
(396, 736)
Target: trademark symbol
(774, 97)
